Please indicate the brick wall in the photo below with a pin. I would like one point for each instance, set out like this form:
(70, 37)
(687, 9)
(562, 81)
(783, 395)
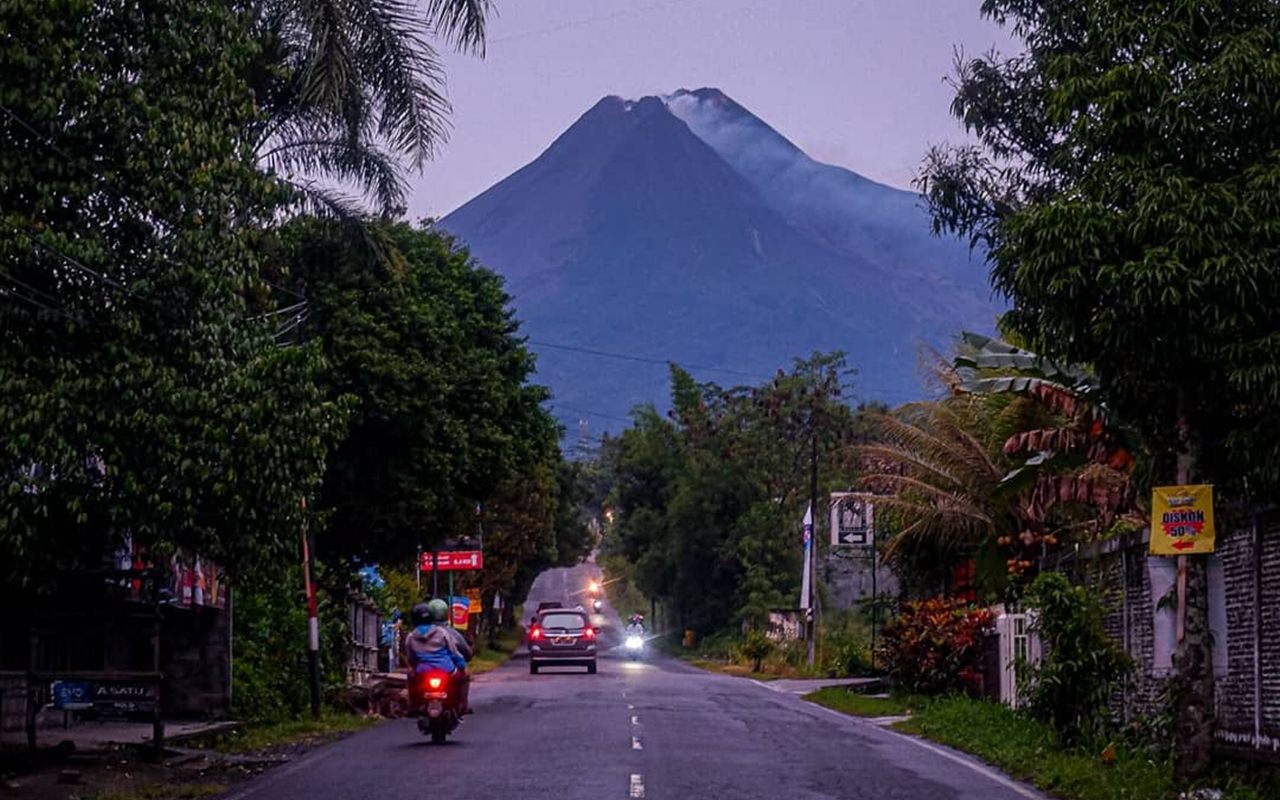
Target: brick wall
(1244, 606)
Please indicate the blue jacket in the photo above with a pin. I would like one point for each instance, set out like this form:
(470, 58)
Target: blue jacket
(435, 647)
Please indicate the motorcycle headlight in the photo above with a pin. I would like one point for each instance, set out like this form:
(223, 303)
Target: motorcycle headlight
(634, 642)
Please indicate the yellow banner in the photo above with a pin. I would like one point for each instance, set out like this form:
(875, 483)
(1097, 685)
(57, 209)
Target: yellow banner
(1181, 520)
(473, 597)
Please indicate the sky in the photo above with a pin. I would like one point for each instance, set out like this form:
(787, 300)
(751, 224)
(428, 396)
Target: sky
(858, 83)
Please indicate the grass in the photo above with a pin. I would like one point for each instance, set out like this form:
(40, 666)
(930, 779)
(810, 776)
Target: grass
(1028, 750)
(161, 791)
(490, 658)
(257, 736)
(861, 705)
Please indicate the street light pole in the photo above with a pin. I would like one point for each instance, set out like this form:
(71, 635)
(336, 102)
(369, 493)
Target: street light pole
(313, 621)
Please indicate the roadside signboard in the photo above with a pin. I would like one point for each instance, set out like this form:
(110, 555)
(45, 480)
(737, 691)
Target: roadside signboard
(473, 600)
(1182, 520)
(72, 695)
(852, 521)
(454, 560)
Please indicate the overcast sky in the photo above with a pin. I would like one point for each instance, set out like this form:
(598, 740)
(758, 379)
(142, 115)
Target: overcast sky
(853, 82)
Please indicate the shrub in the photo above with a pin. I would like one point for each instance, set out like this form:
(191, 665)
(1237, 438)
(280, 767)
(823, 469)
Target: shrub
(935, 646)
(756, 647)
(1081, 666)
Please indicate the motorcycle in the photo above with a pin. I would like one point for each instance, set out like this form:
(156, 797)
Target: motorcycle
(634, 646)
(597, 605)
(436, 704)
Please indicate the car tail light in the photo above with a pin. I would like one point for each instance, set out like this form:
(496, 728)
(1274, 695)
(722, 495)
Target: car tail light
(435, 681)
(536, 633)
(588, 633)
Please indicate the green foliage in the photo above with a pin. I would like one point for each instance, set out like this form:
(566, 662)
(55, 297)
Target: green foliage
(425, 348)
(708, 502)
(1124, 187)
(756, 647)
(137, 394)
(861, 705)
(935, 646)
(270, 678)
(1081, 664)
(1028, 750)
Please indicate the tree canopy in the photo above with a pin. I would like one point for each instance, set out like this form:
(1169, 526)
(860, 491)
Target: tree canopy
(138, 395)
(1124, 189)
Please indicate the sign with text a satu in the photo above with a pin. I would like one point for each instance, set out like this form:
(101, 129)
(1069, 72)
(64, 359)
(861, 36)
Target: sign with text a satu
(1181, 520)
(454, 560)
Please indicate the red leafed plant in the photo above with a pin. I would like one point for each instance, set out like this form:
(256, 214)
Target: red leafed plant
(935, 646)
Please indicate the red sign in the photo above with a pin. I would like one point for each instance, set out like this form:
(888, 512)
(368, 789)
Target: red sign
(453, 560)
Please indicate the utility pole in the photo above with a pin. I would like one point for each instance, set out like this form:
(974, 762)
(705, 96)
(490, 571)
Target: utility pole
(313, 621)
(813, 544)
(417, 572)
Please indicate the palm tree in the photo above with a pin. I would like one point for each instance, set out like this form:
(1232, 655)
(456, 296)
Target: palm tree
(353, 90)
(934, 470)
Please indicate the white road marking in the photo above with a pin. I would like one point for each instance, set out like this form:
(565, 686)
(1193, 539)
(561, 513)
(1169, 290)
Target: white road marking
(630, 707)
(635, 743)
(635, 720)
(637, 786)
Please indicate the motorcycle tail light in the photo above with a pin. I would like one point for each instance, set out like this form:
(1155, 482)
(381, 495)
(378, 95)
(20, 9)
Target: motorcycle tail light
(435, 681)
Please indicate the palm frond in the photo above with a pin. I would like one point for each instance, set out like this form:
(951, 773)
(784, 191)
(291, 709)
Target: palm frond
(461, 22)
(362, 164)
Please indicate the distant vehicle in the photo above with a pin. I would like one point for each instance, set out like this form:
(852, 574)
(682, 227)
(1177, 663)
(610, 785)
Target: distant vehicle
(549, 604)
(562, 638)
(597, 605)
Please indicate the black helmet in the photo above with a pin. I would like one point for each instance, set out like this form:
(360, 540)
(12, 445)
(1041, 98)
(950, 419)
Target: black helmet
(421, 614)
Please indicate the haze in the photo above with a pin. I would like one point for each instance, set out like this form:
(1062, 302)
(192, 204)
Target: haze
(857, 83)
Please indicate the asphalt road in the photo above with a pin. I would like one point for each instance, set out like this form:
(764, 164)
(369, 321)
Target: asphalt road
(650, 729)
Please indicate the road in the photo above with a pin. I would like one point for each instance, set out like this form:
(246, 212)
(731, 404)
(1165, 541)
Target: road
(651, 729)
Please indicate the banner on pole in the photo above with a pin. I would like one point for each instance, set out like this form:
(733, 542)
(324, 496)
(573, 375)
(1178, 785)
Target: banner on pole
(1182, 520)
(808, 560)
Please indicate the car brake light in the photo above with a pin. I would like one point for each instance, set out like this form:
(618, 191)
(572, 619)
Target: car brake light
(588, 633)
(434, 681)
(536, 633)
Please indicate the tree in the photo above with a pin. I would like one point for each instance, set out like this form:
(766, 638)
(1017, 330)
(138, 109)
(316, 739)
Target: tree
(424, 347)
(1123, 189)
(709, 501)
(349, 88)
(137, 395)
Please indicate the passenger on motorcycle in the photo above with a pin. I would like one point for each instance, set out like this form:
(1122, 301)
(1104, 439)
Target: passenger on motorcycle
(635, 625)
(432, 645)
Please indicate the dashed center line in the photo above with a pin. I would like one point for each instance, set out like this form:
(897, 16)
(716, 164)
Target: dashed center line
(637, 785)
(635, 743)
(630, 707)
(635, 720)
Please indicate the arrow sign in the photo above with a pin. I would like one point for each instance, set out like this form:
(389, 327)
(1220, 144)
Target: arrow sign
(1183, 545)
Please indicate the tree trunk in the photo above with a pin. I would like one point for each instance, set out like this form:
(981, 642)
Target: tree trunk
(1193, 661)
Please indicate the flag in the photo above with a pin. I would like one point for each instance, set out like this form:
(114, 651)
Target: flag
(808, 545)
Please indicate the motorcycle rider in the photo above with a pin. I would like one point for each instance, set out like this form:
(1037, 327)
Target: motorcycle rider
(635, 625)
(432, 645)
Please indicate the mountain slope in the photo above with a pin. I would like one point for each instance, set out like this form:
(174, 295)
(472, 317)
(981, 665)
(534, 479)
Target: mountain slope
(640, 232)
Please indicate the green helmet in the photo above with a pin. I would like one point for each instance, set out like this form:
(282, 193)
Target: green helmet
(439, 610)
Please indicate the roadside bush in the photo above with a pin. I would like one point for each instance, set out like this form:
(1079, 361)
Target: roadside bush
(269, 674)
(935, 646)
(756, 647)
(1081, 665)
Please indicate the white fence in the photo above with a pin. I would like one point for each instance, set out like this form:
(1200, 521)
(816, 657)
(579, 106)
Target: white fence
(1018, 643)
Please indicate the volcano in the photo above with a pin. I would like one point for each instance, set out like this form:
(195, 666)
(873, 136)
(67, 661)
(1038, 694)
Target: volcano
(685, 229)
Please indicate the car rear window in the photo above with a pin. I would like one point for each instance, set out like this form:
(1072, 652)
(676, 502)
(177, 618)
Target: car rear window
(568, 622)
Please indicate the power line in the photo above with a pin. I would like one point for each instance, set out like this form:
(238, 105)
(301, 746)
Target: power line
(589, 412)
(643, 360)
